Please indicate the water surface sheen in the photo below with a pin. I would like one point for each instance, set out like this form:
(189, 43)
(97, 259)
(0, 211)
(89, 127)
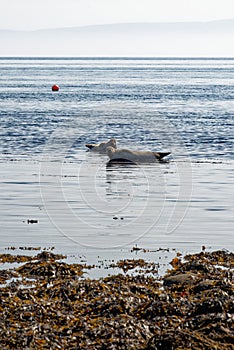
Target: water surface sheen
(184, 106)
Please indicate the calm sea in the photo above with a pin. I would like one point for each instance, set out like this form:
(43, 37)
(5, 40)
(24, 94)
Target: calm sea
(81, 206)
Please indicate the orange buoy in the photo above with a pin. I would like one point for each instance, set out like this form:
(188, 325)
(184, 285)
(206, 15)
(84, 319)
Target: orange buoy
(55, 88)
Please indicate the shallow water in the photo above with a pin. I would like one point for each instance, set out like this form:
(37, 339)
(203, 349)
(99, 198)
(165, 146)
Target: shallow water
(84, 207)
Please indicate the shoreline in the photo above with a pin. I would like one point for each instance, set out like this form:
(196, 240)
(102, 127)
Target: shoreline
(48, 303)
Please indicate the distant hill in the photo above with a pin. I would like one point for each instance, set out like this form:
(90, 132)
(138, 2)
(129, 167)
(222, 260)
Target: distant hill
(207, 39)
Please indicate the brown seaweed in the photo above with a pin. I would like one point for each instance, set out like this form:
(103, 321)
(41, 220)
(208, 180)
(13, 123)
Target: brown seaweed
(53, 306)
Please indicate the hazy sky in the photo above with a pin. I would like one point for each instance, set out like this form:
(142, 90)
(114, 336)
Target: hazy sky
(36, 14)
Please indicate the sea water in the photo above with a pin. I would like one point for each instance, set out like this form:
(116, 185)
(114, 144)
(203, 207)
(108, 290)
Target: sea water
(78, 203)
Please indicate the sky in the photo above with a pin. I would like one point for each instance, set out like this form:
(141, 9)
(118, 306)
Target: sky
(41, 14)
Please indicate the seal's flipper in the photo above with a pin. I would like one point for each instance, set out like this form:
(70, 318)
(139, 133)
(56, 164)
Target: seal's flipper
(161, 155)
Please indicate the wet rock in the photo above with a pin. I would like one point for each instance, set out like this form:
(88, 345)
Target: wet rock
(32, 221)
(180, 279)
(52, 306)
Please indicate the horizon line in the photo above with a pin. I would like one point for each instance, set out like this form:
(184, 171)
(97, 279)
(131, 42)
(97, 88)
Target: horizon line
(118, 57)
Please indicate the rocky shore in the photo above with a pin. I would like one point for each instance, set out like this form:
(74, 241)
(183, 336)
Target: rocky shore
(46, 303)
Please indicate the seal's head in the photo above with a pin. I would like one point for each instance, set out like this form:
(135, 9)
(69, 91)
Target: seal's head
(101, 147)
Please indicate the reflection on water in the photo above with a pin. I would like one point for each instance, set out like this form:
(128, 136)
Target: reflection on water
(182, 106)
(90, 206)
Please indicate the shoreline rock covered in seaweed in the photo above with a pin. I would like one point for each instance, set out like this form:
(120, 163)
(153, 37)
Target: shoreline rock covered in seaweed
(49, 304)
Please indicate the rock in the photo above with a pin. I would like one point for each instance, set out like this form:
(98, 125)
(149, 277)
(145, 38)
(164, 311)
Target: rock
(180, 279)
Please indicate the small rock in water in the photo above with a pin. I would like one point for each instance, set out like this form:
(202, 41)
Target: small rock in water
(32, 221)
